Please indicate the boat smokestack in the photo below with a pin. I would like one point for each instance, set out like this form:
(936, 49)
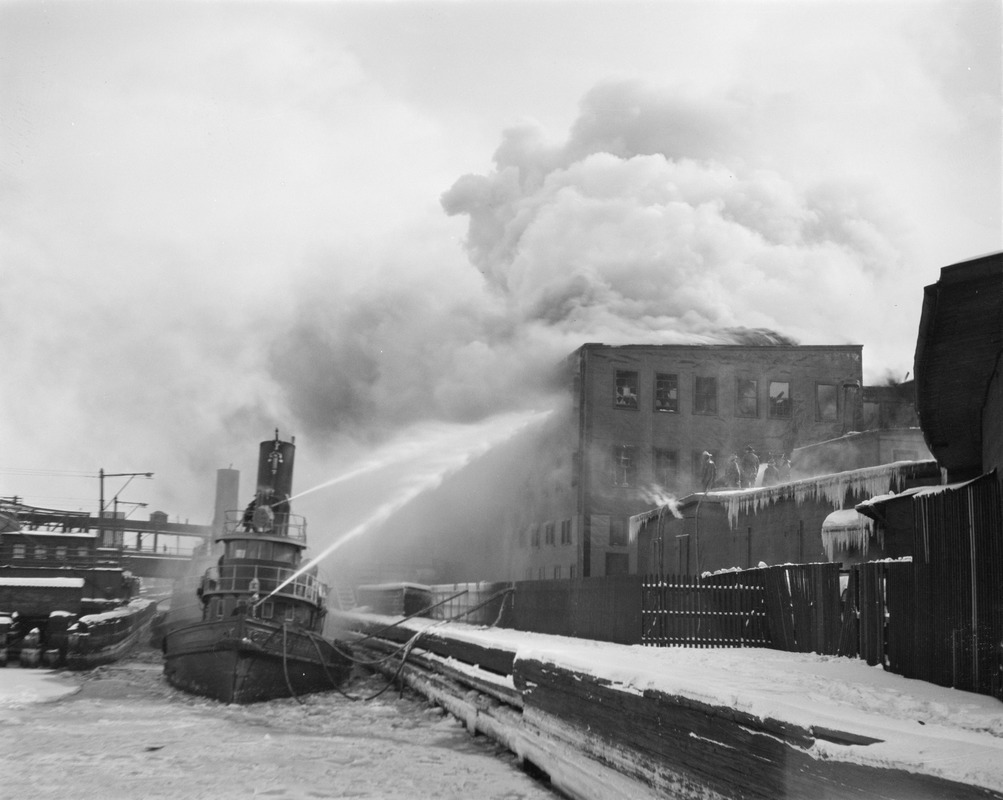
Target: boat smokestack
(275, 471)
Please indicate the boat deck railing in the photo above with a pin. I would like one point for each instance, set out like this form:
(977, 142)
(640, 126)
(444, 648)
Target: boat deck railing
(263, 580)
(290, 526)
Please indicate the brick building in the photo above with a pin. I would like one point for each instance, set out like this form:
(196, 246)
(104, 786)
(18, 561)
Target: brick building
(642, 415)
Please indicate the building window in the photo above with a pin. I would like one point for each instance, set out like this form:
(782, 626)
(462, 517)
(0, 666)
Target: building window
(548, 533)
(626, 390)
(826, 409)
(41, 551)
(666, 466)
(521, 537)
(565, 531)
(19, 551)
(666, 393)
(617, 532)
(747, 400)
(61, 553)
(571, 571)
(82, 552)
(624, 465)
(534, 536)
(780, 399)
(557, 572)
(540, 574)
(705, 396)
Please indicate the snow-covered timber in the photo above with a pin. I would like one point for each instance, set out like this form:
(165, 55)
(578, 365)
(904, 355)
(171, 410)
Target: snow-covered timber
(602, 730)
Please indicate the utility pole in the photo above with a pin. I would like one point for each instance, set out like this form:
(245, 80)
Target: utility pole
(101, 505)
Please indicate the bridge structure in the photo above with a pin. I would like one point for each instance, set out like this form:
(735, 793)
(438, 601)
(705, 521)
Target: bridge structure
(151, 548)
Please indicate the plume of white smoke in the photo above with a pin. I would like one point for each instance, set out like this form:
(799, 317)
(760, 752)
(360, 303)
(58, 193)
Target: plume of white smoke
(647, 224)
(639, 228)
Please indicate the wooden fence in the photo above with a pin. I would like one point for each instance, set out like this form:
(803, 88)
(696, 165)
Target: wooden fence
(605, 609)
(938, 618)
(686, 610)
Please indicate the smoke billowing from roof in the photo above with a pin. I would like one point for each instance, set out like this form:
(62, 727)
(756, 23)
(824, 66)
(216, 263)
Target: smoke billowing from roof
(649, 224)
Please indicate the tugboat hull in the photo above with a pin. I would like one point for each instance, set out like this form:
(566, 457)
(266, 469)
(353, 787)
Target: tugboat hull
(246, 660)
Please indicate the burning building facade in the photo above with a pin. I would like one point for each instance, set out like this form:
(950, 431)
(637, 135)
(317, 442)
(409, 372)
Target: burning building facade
(641, 418)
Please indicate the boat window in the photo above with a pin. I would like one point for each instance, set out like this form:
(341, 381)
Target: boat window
(267, 610)
(285, 554)
(290, 613)
(237, 549)
(229, 603)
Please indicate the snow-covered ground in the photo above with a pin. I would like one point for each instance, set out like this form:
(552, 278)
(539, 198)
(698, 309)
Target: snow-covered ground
(121, 733)
(921, 727)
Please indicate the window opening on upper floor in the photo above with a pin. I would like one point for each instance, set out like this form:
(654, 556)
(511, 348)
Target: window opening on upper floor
(705, 395)
(666, 392)
(625, 395)
(780, 399)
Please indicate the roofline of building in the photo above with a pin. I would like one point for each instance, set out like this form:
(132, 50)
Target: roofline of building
(736, 346)
(855, 434)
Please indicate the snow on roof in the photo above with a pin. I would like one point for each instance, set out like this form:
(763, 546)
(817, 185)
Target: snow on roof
(383, 587)
(868, 481)
(873, 507)
(845, 518)
(72, 583)
(846, 528)
(116, 613)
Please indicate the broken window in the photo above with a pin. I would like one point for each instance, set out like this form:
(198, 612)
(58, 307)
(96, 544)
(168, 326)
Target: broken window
(705, 396)
(780, 399)
(624, 465)
(826, 403)
(626, 389)
(747, 401)
(666, 392)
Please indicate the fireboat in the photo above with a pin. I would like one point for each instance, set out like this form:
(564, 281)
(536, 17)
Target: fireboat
(260, 636)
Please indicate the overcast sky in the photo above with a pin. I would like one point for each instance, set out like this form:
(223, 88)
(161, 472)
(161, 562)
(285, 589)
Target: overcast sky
(349, 219)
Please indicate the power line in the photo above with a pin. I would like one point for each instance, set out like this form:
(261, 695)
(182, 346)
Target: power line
(50, 473)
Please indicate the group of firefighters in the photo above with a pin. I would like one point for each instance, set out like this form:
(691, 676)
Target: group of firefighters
(742, 472)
